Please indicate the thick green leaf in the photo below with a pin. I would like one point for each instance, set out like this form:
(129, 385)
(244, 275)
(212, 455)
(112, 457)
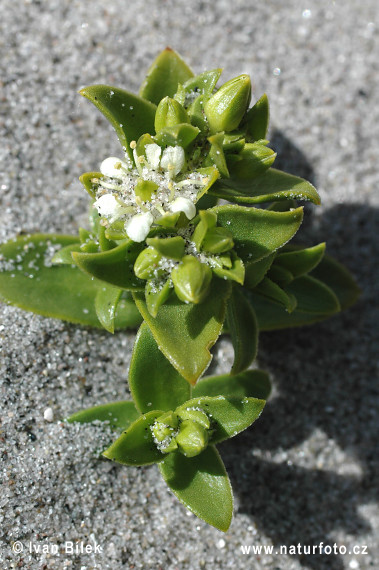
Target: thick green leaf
(275, 293)
(163, 77)
(117, 414)
(280, 275)
(339, 279)
(257, 119)
(229, 416)
(114, 266)
(250, 384)
(136, 445)
(154, 383)
(243, 329)
(272, 185)
(202, 485)
(301, 261)
(186, 332)
(254, 272)
(182, 135)
(28, 281)
(271, 317)
(257, 233)
(203, 83)
(106, 301)
(130, 115)
(313, 296)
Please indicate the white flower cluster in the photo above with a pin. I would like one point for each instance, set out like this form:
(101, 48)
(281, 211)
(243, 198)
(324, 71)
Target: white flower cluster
(117, 196)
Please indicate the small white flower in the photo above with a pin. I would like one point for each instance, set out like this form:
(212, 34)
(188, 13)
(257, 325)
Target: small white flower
(138, 226)
(108, 206)
(184, 205)
(173, 159)
(111, 167)
(153, 155)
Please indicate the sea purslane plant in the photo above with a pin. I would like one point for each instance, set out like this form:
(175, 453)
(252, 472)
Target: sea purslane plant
(162, 254)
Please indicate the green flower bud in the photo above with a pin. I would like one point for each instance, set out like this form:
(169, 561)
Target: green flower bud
(191, 280)
(146, 264)
(225, 109)
(194, 414)
(169, 113)
(192, 438)
(164, 430)
(252, 161)
(218, 240)
(144, 189)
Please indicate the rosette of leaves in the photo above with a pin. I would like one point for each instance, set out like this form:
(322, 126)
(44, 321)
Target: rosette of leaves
(177, 427)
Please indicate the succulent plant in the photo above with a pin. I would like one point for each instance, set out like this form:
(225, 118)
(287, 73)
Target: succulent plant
(160, 251)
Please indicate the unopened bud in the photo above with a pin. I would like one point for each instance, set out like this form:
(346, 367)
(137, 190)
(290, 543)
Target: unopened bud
(146, 264)
(192, 438)
(225, 109)
(191, 280)
(169, 113)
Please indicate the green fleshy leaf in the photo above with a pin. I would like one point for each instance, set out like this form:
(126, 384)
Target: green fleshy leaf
(153, 382)
(313, 296)
(129, 115)
(257, 233)
(216, 154)
(207, 201)
(334, 275)
(186, 332)
(202, 485)
(275, 293)
(118, 414)
(136, 445)
(172, 247)
(339, 279)
(236, 272)
(280, 275)
(156, 295)
(272, 316)
(106, 301)
(257, 119)
(272, 185)
(243, 329)
(253, 161)
(164, 76)
(115, 266)
(301, 261)
(203, 83)
(250, 384)
(182, 135)
(229, 416)
(59, 291)
(254, 272)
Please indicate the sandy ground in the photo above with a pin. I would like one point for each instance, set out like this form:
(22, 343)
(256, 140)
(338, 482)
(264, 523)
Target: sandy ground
(305, 473)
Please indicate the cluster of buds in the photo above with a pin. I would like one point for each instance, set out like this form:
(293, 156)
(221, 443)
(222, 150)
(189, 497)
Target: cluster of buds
(153, 195)
(185, 430)
(187, 260)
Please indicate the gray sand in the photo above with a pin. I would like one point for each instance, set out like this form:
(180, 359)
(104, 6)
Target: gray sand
(305, 473)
